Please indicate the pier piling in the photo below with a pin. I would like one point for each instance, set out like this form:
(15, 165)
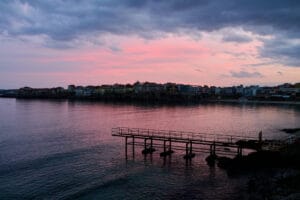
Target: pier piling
(133, 146)
(126, 139)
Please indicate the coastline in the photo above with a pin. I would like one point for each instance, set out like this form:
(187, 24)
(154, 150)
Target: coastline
(254, 101)
(163, 101)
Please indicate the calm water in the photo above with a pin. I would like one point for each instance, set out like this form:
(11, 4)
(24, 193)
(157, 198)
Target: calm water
(64, 150)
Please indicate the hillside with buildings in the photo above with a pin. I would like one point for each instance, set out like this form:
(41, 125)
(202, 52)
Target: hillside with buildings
(169, 92)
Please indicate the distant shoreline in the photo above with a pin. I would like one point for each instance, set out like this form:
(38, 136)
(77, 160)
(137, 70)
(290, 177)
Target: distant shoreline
(235, 101)
(255, 101)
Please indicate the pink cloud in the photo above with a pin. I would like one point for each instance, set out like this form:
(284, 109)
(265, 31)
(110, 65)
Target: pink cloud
(170, 59)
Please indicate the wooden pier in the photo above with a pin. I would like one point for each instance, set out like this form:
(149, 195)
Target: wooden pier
(191, 142)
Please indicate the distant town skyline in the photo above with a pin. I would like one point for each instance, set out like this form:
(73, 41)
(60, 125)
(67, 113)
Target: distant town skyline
(57, 43)
(168, 92)
(296, 85)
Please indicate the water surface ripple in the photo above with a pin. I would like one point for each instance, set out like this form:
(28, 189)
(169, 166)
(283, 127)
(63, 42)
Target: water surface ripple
(64, 149)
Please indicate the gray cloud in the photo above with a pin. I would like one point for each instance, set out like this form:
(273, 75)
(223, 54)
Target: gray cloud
(115, 48)
(237, 38)
(245, 74)
(282, 49)
(64, 21)
(259, 64)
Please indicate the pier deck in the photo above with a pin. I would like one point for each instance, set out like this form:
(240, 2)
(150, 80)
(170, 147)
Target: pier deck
(191, 141)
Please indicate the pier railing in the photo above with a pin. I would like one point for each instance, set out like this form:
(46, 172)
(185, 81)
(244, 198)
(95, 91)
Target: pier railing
(179, 135)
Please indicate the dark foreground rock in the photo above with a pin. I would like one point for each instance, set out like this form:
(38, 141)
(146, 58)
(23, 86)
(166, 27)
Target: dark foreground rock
(272, 175)
(286, 158)
(290, 130)
(276, 185)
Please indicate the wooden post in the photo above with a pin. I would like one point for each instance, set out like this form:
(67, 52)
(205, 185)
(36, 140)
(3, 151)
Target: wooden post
(170, 145)
(240, 151)
(126, 147)
(133, 146)
(260, 136)
(165, 145)
(145, 143)
(212, 153)
(187, 149)
(214, 150)
(191, 147)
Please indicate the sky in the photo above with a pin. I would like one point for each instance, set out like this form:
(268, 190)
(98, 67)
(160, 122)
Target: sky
(49, 43)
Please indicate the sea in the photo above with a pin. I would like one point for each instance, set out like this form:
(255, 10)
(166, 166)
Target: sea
(61, 149)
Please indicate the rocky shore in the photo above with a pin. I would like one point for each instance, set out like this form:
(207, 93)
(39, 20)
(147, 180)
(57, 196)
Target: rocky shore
(272, 174)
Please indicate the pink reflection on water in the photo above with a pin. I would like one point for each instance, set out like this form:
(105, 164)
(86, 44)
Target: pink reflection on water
(245, 120)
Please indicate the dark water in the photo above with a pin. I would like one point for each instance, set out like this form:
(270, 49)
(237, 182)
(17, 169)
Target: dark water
(64, 150)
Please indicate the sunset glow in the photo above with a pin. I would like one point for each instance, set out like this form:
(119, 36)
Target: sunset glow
(47, 44)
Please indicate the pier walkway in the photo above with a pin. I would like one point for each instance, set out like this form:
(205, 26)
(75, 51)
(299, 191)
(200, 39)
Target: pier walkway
(192, 142)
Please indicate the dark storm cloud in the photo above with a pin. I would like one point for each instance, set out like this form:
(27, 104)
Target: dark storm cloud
(67, 20)
(64, 20)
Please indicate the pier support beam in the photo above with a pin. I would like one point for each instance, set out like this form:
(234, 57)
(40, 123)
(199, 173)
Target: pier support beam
(240, 151)
(186, 148)
(169, 151)
(133, 146)
(189, 150)
(213, 149)
(148, 149)
(145, 143)
(126, 138)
